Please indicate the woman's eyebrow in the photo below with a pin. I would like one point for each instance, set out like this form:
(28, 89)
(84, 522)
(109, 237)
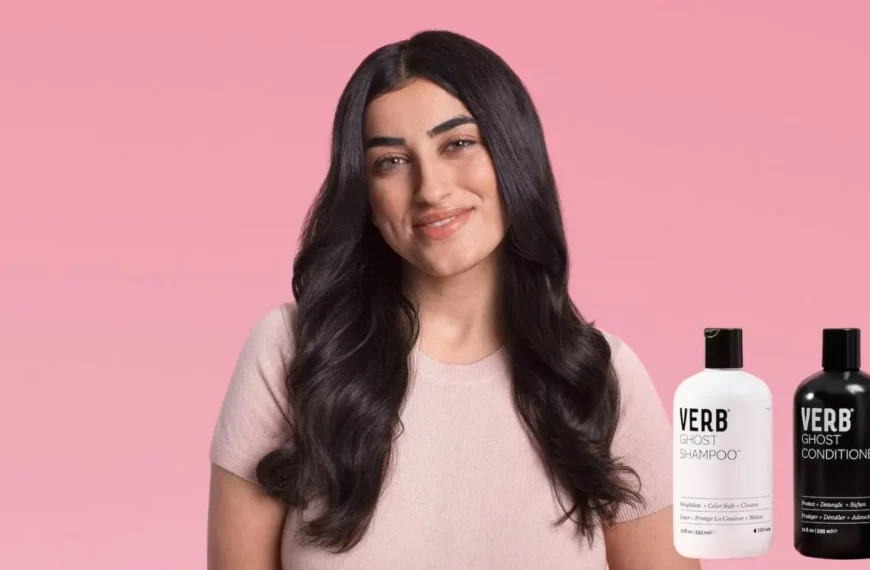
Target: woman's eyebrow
(384, 141)
(451, 123)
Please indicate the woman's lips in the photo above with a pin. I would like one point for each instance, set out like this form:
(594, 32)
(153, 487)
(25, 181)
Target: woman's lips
(444, 228)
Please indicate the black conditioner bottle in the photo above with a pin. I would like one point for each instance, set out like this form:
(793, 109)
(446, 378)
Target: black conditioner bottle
(832, 453)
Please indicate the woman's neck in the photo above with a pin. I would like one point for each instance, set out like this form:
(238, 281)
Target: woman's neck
(459, 315)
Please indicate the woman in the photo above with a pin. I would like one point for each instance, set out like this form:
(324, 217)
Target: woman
(432, 399)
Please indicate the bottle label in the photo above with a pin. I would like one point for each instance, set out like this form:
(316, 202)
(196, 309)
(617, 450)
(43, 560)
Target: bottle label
(829, 445)
(723, 467)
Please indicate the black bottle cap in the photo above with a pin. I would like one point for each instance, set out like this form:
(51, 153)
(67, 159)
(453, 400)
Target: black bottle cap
(841, 349)
(723, 348)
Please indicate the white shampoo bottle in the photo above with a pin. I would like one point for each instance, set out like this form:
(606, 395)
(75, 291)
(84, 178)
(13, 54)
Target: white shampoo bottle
(723, 456)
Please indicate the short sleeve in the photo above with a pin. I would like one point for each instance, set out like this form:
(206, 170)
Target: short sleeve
(254, 417)
(643, 434)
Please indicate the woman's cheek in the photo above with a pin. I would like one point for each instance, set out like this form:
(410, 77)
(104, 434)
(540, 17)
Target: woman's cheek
(477, 175)
(379, 199)
(389, 208)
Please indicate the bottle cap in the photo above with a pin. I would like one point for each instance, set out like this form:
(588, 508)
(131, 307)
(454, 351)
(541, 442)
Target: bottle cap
(723, 348)
(841, 349)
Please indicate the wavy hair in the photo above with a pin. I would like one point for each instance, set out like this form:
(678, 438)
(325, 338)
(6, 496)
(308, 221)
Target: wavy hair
(355, 328)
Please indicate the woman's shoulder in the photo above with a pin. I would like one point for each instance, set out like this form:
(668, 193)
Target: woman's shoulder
(281, 317)
(616, 343)
(625, 361)
(612, 339)
(273, 331)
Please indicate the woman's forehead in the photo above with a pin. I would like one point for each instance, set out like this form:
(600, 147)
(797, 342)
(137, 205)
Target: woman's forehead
(411, 110)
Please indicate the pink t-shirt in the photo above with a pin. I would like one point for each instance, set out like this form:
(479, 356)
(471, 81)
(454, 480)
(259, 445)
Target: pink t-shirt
(467, 490)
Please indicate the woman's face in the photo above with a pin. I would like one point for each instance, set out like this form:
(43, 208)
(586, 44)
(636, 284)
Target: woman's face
(431, 181)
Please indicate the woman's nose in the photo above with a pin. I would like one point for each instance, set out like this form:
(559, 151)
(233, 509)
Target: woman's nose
(433, 182)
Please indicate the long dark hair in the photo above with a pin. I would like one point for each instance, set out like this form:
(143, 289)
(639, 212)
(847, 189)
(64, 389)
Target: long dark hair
(355, 328)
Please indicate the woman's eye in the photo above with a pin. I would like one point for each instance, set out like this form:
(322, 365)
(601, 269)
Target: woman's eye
(388, 162)
(459, 144)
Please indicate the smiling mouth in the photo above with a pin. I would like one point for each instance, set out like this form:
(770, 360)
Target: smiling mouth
(440, 223)
(439, 218)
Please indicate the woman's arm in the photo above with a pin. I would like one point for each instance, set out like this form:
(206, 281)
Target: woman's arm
(244, 525)
(645, 543)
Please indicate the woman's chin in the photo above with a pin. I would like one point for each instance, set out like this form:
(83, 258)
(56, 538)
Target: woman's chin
(445, 268)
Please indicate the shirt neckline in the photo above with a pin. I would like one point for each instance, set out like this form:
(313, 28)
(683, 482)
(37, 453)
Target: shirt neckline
(481, 371)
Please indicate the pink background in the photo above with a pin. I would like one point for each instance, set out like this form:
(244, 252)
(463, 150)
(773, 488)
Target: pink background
(156, 161)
